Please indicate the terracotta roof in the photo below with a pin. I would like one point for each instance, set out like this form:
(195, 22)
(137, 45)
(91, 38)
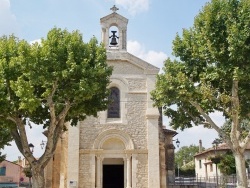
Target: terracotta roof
(11, 162)
(220, 147)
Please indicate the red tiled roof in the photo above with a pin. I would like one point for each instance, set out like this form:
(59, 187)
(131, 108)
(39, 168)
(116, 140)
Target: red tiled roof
(220, 147)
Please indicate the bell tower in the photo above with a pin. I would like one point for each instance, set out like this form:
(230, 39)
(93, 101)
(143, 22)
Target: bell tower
(114, 31)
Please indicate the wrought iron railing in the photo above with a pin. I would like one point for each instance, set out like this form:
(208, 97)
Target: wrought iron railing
(209, 182)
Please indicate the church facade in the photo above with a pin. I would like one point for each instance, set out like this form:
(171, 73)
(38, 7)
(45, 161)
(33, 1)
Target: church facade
(126, 146)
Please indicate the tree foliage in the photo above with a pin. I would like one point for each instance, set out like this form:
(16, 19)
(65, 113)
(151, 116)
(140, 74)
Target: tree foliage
(184, 160)
(5, 138)
(212, 53)
(2, 157)
(62, 79)
(227, 164)
(211, 74)
(27, 172)
(243, 124)
(185, 154)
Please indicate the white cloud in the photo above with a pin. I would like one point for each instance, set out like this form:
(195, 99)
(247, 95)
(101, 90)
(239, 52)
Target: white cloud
(39, 41)
(155, 58)
(193, 135)
(8, 22)
(135, 6)
(218, 118)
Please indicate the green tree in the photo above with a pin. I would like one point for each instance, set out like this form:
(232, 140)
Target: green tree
(184, 160)
(5, 138)
(28, 174)
(186, 154)
(60, 80)
(211, 74)
(243, 124)
(227, 164)
(2, 157)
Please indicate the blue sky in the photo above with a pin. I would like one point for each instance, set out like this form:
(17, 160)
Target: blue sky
(152, 26)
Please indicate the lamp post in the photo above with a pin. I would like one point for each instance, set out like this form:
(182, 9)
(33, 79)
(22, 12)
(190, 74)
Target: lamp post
(216, 160)
(31, 146)
(42, 144)
(177, 142)
(178, 170)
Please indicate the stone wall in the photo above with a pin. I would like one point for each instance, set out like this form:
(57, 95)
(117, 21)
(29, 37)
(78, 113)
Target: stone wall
(123, 67)
(136, 127)
(142, 171)
(136, 84)
(135, 104)
(85, 171)
(135, 80)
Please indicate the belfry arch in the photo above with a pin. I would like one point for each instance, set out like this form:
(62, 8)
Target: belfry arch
(114, 37)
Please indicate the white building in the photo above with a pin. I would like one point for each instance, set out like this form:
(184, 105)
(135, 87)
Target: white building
(205, 168)
(126, 146)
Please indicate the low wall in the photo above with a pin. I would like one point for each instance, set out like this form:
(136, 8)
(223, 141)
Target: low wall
(182, 186)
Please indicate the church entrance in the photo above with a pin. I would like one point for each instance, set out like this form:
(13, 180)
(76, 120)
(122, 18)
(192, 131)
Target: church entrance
(113, 176)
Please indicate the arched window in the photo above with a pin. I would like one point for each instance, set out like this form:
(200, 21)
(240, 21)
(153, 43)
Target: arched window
(114, 106)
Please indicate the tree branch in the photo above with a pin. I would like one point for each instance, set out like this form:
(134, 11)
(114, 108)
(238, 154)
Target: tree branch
(51, 103)
(16, 137)
(235, 134)
(53, 122)
(54, 132)
(191, 115)
(20, 137)
(209, 120)
(64, 111)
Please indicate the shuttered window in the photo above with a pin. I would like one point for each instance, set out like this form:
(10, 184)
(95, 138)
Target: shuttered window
(2, 171)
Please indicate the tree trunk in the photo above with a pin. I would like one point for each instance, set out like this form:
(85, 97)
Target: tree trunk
(240, 169)
(38, 180)
(29, 182)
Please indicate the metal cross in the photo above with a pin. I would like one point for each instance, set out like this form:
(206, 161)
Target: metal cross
(114, 8)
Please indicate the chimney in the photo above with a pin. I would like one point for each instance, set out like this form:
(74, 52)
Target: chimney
(200, 146)
(19, 160)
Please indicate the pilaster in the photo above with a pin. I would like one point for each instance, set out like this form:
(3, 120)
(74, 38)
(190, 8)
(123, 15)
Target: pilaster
(134, 170)
(73, 155)
(99, 160)
(129, 171)
(153, 151)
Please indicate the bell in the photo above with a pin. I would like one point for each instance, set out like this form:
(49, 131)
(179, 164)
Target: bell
(113, 39)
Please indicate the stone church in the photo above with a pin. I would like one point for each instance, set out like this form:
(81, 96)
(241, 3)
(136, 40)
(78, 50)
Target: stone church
(127, 145)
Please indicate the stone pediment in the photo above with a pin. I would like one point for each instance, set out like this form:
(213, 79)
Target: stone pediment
(127, 59)
(114, 18)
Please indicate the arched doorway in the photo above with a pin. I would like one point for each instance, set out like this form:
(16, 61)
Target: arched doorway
(113, 163)
(113, 168)
(113, 173)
